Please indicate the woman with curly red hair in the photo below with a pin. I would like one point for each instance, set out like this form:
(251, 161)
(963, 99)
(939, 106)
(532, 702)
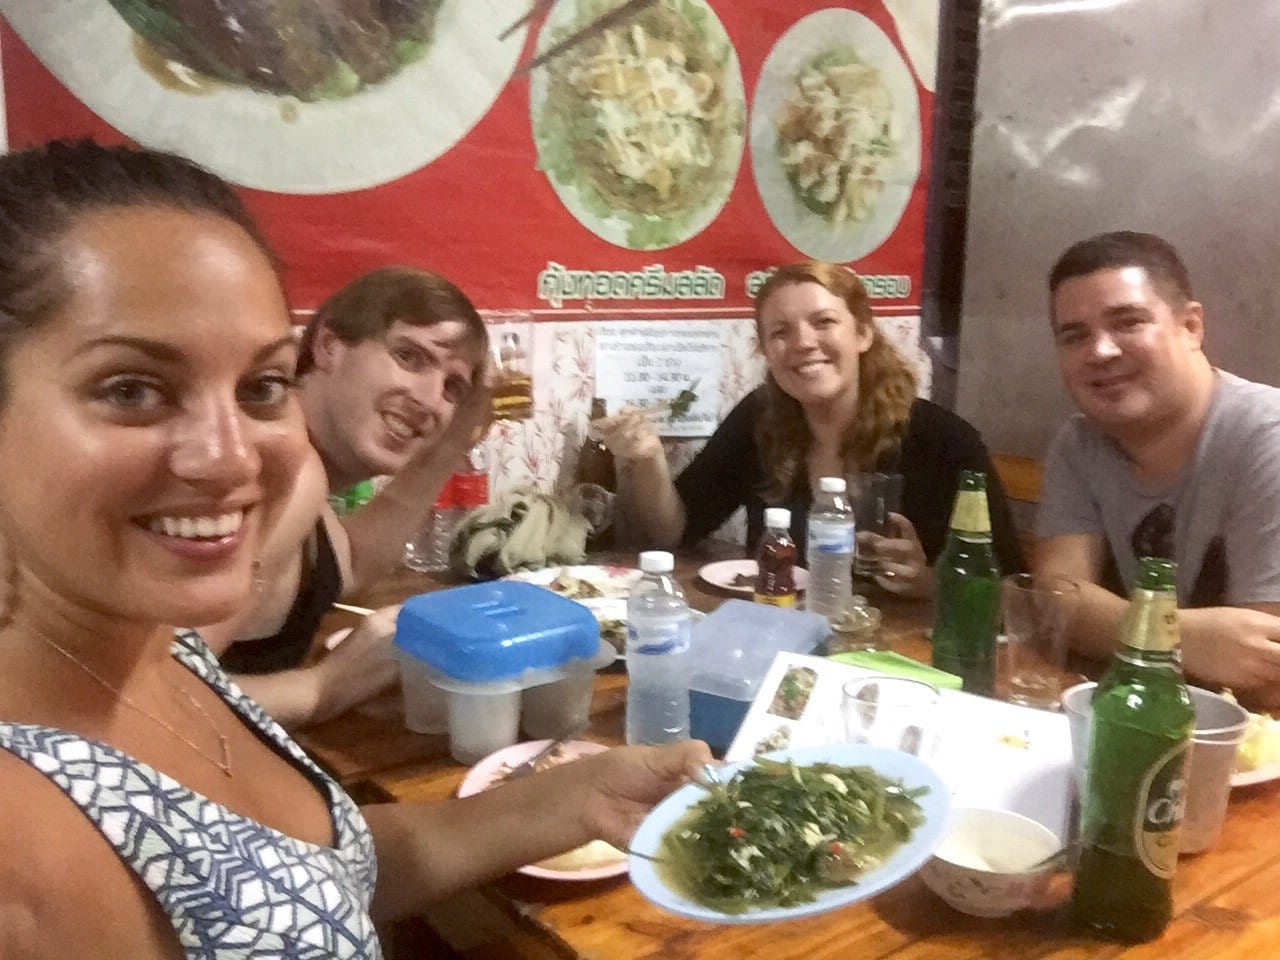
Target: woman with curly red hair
(837, 400)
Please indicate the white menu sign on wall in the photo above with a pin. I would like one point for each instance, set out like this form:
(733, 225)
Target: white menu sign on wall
(674, 366)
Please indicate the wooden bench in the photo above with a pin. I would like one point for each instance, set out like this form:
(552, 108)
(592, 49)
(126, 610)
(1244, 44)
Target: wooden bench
(1021, 478)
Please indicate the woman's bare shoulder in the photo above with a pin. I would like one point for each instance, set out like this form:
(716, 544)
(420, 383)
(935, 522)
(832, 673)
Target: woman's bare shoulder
(55, 869)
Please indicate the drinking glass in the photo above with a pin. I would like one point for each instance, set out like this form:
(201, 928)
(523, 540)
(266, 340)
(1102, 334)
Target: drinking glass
(1037, 611)
(892, 712)
(874, 496)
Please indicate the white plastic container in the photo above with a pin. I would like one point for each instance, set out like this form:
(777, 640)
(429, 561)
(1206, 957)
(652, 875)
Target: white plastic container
(481, 646)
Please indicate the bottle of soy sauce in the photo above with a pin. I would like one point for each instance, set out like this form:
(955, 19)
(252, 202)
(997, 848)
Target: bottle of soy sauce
(776, 561)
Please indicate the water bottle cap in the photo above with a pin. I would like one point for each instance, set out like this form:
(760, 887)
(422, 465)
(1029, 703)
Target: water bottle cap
(832, 485)
(657, 561)
(777, 517)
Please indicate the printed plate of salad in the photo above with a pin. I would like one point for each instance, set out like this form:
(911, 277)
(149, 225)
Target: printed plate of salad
(834, 824)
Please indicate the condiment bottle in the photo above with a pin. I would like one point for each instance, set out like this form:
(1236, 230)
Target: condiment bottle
(776, 560)
(1139, 742)
(597, 471)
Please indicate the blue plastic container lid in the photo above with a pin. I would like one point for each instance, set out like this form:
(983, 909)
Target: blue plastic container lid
(487, 632)
(732, 649)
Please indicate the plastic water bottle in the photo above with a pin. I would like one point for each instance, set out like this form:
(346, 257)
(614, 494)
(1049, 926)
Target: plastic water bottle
(830, 550)
(429, 552)
(658, 625)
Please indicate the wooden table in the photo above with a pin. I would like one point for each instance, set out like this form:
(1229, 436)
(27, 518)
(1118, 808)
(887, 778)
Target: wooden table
(1227, 901)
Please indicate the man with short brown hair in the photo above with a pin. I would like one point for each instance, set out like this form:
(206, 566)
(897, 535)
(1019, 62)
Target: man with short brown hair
(1168, 456)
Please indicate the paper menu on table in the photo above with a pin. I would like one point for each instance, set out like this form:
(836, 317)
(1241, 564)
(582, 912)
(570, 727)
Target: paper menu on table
(991, 753)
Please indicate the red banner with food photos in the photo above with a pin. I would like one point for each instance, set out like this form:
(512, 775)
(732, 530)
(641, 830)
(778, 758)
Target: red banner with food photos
(663, 163)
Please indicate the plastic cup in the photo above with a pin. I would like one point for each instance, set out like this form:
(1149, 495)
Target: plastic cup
(1076, 704)
(1037, 611)
(426, 706)
(555, 711)
(892, 712)
(1220, 726)
(480, 723)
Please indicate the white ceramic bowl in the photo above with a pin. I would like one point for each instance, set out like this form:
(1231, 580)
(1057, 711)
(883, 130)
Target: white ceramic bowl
(980, 868)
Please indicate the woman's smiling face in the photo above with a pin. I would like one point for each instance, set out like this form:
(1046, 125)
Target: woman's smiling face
(812, 343)
(148, 428)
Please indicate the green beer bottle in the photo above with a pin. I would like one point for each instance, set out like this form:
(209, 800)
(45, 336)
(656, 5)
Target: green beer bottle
(1131, 805)
(967, 605)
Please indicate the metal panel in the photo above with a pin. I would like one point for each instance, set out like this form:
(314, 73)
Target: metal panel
(1159, 115)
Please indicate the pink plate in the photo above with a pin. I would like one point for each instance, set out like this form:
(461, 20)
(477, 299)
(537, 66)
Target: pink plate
(487, 771)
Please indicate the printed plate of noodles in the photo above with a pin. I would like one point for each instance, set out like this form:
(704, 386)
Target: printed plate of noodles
(640, 130)
(317, 97)
(835, 135)
(793, 834)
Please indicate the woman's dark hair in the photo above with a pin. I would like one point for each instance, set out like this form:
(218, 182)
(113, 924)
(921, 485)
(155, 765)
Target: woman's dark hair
(366, 307)
(45, 189)
(1127, 248)
(886, 389)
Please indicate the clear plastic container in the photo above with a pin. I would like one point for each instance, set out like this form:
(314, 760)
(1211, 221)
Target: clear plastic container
(731, 651)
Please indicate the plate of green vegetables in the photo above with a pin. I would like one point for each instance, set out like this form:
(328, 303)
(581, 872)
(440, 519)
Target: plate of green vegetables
(792, 834)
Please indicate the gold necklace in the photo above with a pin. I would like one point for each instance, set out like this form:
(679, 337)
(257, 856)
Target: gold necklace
(222, 762)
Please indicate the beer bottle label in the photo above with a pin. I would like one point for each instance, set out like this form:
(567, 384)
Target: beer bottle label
(776, 599)
(1151, 622)
(970, 514)
(1157, 822)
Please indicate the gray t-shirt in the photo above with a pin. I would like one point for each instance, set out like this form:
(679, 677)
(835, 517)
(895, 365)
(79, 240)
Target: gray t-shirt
(1219, 519)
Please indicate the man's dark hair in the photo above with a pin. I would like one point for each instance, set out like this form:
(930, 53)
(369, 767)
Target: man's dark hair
(1127, 248)
(366, 307)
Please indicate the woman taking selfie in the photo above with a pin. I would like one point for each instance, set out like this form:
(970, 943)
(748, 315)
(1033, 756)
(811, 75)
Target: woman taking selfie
(837, 400)
(148, 433)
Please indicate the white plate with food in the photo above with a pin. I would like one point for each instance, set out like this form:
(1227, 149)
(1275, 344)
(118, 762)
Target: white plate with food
(1258, 759)
(592, 861)
(431, 72)
(739, 576)
(835, 135)
(640, 130)
(582, 581)
(697, 853)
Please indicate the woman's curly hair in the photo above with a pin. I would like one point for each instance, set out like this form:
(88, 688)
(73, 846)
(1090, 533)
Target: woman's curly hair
(886, 390)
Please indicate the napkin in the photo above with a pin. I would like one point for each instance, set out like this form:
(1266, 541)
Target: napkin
(886, 661)
(518, 531)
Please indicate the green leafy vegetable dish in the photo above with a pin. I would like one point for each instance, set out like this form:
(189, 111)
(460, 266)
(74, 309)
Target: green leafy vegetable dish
(778, 834)
(640, 128)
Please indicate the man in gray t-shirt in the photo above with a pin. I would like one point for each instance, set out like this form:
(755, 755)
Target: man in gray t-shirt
(1167, 457)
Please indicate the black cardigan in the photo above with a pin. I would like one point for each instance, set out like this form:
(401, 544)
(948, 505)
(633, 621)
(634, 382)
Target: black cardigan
(728, 473)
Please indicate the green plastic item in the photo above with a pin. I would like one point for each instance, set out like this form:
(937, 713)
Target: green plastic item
(886, 661)
(351, 500)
